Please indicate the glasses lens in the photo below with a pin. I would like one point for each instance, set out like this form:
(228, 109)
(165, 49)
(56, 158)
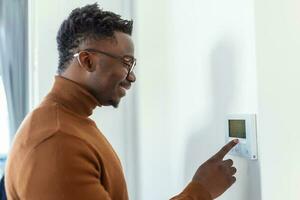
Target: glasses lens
(129, 62)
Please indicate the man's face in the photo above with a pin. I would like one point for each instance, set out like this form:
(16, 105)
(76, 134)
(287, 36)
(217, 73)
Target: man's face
(110, 79)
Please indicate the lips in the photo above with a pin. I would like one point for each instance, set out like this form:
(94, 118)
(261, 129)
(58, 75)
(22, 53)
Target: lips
(126, 86)
(122, 91)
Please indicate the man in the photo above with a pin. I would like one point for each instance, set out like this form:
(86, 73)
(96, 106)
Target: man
(58, 152)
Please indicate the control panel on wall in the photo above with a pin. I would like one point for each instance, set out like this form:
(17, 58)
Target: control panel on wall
(242, 127)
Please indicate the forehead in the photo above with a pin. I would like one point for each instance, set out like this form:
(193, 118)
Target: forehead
(121, 44)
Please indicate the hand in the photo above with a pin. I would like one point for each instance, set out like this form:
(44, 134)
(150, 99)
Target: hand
(215, 174)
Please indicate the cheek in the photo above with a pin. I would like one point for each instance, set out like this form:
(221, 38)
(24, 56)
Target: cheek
(108, 82)
(117, 76)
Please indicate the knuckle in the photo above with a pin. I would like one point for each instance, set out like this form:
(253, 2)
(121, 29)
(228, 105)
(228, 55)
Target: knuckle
(233, 170)
(230, 161)
(229, 180)
(220, 167)
(233, 179)
(212, 159)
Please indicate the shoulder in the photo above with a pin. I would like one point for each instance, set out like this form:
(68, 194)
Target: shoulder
(64, 144)
(37, 126)
(61, 151)
(59, 161)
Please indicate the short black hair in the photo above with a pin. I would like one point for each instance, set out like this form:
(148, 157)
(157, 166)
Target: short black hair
(84, 23)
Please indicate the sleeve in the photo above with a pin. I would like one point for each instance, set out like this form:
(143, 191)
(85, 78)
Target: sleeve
(2, 189)
(193, 191)
(62, 168)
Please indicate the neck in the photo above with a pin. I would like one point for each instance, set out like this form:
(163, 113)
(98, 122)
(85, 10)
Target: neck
(73, 96)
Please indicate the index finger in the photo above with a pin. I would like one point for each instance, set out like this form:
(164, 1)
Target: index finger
(222, 153)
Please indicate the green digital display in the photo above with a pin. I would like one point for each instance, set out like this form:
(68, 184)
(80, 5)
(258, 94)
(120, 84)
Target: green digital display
(237, 128)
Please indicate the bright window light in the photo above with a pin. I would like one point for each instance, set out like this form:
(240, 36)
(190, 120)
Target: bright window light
(4, 125)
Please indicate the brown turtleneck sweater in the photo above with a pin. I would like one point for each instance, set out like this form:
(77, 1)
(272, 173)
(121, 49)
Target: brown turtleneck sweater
(60, 154)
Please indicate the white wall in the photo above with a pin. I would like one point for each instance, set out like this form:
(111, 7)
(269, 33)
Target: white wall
(197, 64)
(118, 125)
(278, 63)
(155, 99)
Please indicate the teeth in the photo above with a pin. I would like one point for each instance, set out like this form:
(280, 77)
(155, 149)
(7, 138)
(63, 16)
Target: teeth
(123, 87)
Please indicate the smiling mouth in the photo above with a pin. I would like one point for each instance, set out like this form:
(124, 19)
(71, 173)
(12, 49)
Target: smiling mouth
(123, 89)
(126, 87)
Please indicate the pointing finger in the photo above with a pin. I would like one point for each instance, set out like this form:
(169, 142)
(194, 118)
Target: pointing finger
(222, 153)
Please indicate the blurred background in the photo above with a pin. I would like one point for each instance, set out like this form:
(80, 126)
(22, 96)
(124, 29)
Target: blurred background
(198, 60)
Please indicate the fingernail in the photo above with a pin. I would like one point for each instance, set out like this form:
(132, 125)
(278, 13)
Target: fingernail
(236, 141)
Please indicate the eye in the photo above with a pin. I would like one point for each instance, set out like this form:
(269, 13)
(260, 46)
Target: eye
(128, 61)
(127, 65)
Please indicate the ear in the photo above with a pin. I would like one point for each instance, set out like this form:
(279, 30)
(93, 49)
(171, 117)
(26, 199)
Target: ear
(85, 61)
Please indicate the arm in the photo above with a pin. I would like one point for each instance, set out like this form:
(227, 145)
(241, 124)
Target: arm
(62, 167)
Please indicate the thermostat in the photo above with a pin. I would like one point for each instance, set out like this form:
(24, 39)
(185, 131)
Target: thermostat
(243, 128)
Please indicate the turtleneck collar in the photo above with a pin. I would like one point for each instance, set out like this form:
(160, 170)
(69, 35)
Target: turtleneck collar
(73, 96)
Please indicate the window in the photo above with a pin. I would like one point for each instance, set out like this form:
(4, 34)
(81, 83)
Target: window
(4, 127)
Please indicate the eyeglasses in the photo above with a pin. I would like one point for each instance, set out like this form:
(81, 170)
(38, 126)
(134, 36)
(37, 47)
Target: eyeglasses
(128, 61)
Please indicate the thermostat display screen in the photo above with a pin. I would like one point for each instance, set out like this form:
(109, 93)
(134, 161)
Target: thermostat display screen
(237, 128)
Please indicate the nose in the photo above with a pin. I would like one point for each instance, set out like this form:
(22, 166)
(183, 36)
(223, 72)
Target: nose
(131, 77)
